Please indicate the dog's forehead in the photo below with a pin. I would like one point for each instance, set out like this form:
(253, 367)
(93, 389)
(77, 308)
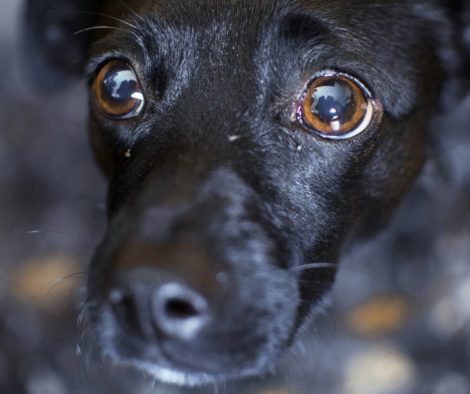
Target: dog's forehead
(252, 13)
(246, 8)
(247, 24)
(359, 24)
(221, 38)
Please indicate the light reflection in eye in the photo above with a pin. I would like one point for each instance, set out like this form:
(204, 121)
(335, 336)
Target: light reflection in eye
(117, 91)
(336, 106)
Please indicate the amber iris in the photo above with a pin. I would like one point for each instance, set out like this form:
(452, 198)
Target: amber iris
(335, 106)
(117, 91)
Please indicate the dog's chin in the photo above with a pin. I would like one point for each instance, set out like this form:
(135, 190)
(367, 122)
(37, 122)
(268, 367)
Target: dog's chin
(174, 376)
(179, 376)
(120, 349)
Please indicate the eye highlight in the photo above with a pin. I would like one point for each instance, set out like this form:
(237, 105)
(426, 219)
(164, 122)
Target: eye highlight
(117, 91)
(336, 106)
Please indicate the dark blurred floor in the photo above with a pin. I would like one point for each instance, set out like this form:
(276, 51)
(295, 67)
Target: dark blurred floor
(399, 320)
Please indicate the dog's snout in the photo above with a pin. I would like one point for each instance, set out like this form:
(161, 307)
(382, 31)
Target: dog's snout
(195, 286)
(178, 311)
(162, 291)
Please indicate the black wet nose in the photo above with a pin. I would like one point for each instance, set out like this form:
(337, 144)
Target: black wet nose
(145, 302)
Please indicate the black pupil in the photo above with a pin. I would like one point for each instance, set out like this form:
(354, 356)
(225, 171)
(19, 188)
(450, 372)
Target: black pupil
(120, 85)
(333, 101)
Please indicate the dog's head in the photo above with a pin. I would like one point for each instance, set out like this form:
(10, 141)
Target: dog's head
(245, 143)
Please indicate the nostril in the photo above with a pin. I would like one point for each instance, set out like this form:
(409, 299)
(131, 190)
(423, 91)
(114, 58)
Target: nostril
(124, 309)
(178, 311)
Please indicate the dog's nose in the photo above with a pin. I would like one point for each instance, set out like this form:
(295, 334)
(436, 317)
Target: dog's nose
(149, 302)
(178, 311)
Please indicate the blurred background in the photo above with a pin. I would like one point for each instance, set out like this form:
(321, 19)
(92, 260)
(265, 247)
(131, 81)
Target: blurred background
(399, 319)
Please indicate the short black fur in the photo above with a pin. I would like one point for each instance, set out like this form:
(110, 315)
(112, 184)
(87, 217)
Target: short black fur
(215, 188)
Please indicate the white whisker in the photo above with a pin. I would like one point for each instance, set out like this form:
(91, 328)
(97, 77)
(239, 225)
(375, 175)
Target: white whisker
(98, 28)
(313, 266)
(131, 10)
(110, 17)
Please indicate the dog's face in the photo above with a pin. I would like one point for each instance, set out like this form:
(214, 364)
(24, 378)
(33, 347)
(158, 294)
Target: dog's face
(245, 143)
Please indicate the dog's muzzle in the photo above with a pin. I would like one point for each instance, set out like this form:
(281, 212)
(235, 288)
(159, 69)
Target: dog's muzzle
(198, 287)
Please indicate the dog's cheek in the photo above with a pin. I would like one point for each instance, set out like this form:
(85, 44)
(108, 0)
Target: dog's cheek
(110, 151)
(402, 148)
(395, 164)
(272, 299)
(102, 151)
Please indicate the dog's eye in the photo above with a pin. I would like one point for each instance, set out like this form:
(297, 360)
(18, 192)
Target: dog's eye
(336, 106)
(117, 91)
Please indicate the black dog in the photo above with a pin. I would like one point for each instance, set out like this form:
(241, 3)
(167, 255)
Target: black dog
(246, 142)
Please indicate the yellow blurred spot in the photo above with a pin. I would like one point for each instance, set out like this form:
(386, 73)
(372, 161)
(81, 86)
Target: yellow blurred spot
(380, 370)
(379, 316)
(47, 282)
